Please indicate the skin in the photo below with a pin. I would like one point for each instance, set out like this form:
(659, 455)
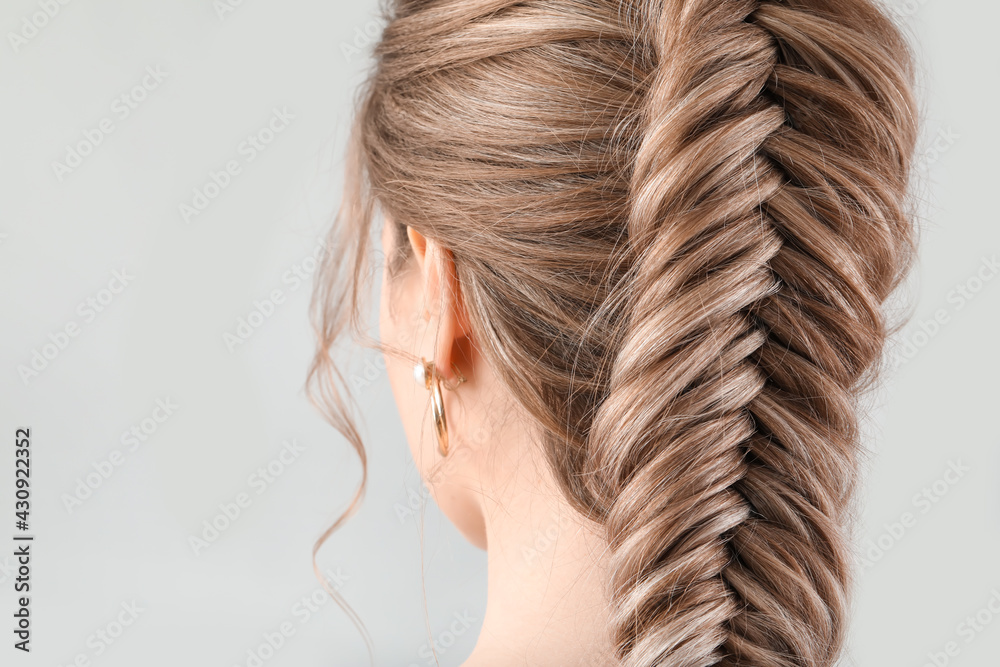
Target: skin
(546, 565)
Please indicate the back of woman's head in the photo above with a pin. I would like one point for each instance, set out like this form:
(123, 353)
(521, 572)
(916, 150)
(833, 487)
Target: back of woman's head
(674, 224)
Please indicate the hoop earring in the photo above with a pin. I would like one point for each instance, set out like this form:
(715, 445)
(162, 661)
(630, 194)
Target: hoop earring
(426, 373)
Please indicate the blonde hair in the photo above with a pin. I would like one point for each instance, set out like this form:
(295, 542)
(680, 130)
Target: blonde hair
(674, 224)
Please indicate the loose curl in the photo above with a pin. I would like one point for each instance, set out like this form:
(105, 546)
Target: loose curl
(675, 224)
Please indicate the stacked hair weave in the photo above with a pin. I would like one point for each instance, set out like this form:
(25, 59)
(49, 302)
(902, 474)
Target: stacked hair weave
(674, 224)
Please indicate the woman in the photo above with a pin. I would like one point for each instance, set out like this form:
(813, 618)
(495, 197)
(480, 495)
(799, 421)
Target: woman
(636, 258)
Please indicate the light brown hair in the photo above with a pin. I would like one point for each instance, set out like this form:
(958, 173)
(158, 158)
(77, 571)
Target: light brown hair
(674, 225)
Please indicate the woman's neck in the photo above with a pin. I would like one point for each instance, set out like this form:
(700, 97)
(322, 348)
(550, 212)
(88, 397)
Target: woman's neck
(546, 602)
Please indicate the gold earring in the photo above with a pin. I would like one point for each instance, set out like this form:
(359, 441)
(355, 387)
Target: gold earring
(426, 373)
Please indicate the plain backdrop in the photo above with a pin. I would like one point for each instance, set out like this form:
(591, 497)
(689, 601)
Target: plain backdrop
(92, 189)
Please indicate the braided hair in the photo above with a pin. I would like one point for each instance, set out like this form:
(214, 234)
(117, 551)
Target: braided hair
(675, 224)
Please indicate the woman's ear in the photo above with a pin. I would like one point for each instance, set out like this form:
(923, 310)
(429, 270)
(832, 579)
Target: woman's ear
(441, 301)
(428, 272)
(418, 244)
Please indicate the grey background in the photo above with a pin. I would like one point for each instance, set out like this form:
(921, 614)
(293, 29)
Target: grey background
(163, 337)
